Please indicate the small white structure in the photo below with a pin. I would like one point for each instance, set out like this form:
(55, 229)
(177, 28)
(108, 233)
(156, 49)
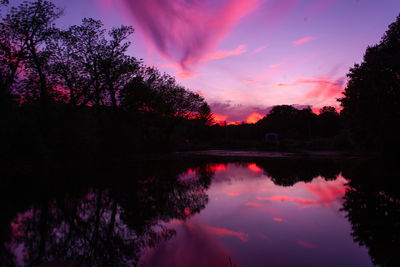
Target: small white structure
(272, 138)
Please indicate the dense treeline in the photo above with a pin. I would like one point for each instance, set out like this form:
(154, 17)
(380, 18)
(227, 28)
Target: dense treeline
(77, 90)
(286, 128)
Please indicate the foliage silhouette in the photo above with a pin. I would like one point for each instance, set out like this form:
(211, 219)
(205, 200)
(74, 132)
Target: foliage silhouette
(371, 98)
(74, 92)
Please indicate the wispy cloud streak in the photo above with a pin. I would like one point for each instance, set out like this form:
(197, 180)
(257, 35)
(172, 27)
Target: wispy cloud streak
(303, 40)
(259, 50)
(187, 31)
(224, 53)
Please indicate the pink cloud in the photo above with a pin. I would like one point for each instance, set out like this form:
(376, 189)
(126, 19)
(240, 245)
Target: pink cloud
(233, 194)
(325, 89)
(278, 219)
(325, 92)
(184, 74)
(240, 49)
(187, 31)
(304, 40)
(258, 50)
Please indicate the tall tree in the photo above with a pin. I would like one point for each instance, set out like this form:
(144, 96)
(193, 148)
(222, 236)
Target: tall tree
(74, 61)
(24, 31)
(371, 102)
(92, 68)
(116, 67)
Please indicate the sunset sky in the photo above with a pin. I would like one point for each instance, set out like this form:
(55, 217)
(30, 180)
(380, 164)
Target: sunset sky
(245, 56)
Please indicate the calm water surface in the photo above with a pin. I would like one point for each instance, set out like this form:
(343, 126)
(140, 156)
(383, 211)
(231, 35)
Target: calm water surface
(204, 213)
(257, 222)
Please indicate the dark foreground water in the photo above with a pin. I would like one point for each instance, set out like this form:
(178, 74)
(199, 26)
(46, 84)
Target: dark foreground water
(277, 212)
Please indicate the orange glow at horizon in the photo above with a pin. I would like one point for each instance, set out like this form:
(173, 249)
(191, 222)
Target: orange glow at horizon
(254, 117)
(233, 123)
(218, 118)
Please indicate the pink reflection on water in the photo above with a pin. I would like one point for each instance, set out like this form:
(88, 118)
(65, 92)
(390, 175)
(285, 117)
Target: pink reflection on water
(252, 204)
(218, 167)
(302, 202)
(192, 244)
(252, 211)
(306, 244)
(263, 236)
(254, 168)
(323, 193)
(327, 192)
(225, 232)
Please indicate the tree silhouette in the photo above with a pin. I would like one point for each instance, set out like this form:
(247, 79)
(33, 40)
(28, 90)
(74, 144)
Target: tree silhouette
(75, 90)
(290, 122)
(371, 102)
(24, 31)
(330, 122)
(92, 68)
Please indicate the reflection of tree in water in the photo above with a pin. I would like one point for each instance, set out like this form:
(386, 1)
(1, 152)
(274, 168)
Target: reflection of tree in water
(289, 172)
(103, 226)
(372, 202)
(373, 209)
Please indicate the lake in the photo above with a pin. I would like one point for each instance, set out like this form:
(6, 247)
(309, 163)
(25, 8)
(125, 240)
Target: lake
(205, 212)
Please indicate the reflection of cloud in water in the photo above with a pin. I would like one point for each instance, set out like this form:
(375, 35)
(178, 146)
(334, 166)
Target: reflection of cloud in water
(306, 244)
(324, 193)
(194, 243)
(328, 193)
(254, 168)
